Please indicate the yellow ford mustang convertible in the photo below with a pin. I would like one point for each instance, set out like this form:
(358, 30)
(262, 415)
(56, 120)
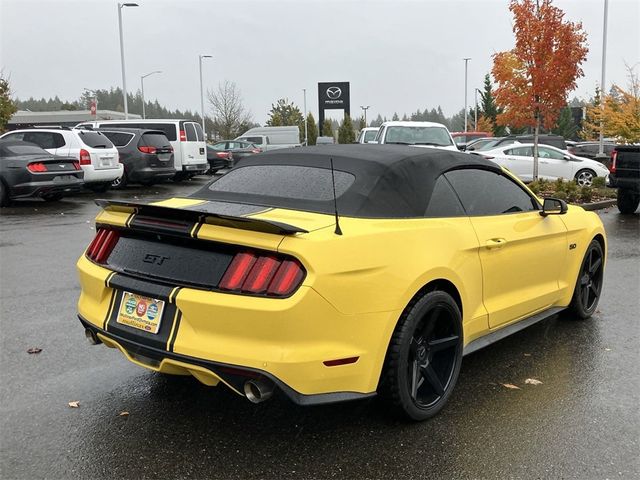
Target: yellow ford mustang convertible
(336, 273)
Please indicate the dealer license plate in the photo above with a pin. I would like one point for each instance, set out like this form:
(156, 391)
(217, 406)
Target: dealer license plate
(138, 311)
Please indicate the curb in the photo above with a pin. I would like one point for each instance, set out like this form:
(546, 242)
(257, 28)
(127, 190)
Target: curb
(599, 205)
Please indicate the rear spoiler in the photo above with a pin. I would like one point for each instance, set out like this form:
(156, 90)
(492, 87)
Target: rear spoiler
(184, 220)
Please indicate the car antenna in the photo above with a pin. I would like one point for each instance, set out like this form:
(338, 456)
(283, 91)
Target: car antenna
(338, 231)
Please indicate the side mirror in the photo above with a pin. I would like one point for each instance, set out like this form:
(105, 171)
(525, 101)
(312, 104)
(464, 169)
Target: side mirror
(553, 206)
(566, 157)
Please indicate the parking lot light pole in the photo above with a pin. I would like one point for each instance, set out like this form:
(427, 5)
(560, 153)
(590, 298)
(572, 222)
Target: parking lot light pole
(466, 64)
(602, 81)
(124, 76)
(142, 77)
(204, 131)
(364, 109)
(306, 131)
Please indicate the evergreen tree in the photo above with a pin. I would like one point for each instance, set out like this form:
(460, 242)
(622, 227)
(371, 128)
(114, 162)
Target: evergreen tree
(565, 126)
(7, 105)
(489, 108)
(327, 129)
(395, 117)
(345, 132)
(361, 123)
(378, 121)
(312, 130)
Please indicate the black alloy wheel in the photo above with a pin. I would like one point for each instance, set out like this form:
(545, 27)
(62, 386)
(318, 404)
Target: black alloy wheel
(424, 356)
(589, 284)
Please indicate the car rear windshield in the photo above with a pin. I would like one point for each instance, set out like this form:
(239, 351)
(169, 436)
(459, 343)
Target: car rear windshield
(436, 136)
(285, 186)
(95, 140)
(169, 129)
(16, 150)
(119, 139)
(158, 140)
(370, 135)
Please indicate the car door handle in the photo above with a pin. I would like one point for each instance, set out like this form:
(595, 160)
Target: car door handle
(496, 243)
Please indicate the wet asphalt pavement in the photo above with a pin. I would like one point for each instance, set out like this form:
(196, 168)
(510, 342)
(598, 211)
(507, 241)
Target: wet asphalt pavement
(582, 422)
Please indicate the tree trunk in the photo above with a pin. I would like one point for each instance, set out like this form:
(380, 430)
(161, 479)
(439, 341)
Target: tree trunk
(536, 133)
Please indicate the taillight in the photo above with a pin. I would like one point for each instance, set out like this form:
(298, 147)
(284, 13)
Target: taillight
(614, 159)
(102, 245)
(76, 165)
(262, 274)
(146, 149)
(183, 136)
(37, 167)
(85, 157)
(222, 154)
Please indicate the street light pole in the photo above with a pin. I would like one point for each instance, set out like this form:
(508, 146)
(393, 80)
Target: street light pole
(602, 82)
(142, 77)
(200, 57)
(466, 113)
(124, 76)
(364, 109)
(306, 130)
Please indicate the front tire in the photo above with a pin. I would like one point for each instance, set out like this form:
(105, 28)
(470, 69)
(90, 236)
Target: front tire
(628, 201)
(5, 201)
(424, 357)
(120, 183)
(589, 283)
(584, 178)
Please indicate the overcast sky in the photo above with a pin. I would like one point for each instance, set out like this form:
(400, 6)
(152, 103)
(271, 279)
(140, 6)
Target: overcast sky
(398, 55)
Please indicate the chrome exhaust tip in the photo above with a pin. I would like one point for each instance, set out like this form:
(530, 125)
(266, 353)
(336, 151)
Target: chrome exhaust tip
(259, 390)
(92, 337)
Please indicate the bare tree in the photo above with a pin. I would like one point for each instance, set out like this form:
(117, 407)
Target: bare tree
(229, 114)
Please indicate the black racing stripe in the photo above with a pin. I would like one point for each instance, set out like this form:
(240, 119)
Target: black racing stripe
(106, 315)
(128, 220)
(108, 279)
(175, 331)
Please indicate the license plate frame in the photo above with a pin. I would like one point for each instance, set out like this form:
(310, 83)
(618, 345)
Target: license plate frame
(140, 312)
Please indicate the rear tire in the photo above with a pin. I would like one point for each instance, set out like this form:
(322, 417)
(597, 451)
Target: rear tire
(424, 357)
(120, 183)
(628, 201)
(5, 201)
(99, 187)
(586, 293)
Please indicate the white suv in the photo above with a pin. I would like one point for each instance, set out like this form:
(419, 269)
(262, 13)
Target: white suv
(97, 155)
(416, 134)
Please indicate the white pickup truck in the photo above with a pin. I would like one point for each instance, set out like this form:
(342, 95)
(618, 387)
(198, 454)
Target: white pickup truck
(272, 138)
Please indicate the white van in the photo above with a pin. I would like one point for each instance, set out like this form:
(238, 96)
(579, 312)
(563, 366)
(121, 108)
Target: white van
(186, 138)
(272, 138)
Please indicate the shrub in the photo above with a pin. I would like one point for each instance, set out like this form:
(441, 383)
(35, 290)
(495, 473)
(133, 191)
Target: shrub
(535, 187)
(559, 185)
(598, 182)
(586, 194)
(560, 195)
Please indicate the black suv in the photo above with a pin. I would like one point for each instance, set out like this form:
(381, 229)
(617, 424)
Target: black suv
(553, 140)
(590, 149)
(147, 155)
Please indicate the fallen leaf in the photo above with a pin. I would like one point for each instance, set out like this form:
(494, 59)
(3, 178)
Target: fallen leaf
(532, 381)
(527, 354)
(123, 414)
(510, 385)
(74, 404)
(34, 350)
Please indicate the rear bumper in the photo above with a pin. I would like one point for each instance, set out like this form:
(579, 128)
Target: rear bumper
(195, 167)
(102, 175)
(286, 340)
(52, 187)
(627, 183)
(149, 173)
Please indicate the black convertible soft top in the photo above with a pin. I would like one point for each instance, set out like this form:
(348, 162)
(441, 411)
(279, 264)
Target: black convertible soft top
(374, 181)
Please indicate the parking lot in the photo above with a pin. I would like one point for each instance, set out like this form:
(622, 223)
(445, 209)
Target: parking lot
(582, 421)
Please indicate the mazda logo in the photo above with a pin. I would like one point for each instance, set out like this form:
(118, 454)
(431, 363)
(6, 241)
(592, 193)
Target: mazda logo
(334, 93)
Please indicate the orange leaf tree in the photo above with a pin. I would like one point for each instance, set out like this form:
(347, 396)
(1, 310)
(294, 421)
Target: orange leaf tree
(535, 77)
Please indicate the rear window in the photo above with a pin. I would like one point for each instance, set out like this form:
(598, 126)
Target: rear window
(94, 139)
(119, 139)
(255, 140)
(157, 140)
(190, 132)
(199, 132)
(15, 150)
(436, 136)
(169, 129)
(370, 135)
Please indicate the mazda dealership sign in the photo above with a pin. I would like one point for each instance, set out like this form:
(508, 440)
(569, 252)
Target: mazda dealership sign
(333, 96)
